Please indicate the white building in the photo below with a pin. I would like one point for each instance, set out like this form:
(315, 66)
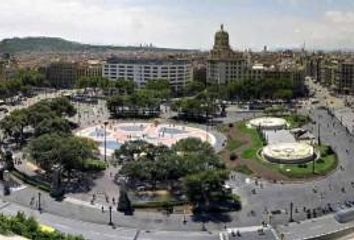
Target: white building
(177, 72)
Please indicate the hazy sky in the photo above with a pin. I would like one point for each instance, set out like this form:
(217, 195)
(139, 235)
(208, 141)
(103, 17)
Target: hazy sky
(184, 23)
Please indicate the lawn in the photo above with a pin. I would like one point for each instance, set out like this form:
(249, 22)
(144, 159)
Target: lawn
(246, 143)
(256, 141)
(296, 120)
(323, 166)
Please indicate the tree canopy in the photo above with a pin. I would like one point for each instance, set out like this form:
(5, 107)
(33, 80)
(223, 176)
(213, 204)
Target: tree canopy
(70, 152)
(191, 163)
(43, 117)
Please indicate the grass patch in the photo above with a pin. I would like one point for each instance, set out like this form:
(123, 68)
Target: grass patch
(243, 169)
(233, 144)
(256, 141)
(246, 143)
(327, 163)
(297, 120)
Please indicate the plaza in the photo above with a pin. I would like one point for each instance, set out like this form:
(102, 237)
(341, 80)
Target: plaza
(117, 134)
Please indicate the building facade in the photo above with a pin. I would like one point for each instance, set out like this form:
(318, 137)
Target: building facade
(345, 78)
(178, 72)
(224, 65)
(91, 68)
(62, 74)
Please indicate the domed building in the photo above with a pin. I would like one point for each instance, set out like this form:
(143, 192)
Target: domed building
(221, 47)
(224, 64)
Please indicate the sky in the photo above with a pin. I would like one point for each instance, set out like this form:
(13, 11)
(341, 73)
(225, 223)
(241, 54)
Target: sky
(252, 24)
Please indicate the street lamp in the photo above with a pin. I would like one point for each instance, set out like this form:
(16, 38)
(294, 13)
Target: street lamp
(39, 202)
(319, 134)
(291, 212)
(110, 216)
(184, 215)
(105, 140)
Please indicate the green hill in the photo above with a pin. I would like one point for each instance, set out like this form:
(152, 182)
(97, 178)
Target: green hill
(50, 44)
(39, 44)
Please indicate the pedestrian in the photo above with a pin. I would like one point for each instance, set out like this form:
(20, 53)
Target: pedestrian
(102, 209)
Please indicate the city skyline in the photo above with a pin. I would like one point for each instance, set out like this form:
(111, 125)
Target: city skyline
(184, 24)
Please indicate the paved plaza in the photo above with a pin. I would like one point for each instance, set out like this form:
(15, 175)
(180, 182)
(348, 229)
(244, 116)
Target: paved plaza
(167, 134)
(278, 136)
(346, 117)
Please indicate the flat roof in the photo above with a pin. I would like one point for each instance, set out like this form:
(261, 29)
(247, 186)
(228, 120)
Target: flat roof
(117, 60)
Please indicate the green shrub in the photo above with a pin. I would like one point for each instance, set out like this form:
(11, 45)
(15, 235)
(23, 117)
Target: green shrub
(31, 181)
(158, 204)
(320, 161)
(94, 165)
(29, 228)
(325, 150)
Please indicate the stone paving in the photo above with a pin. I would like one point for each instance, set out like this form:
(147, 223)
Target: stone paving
(155, 133)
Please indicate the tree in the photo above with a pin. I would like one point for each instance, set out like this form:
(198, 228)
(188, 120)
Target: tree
(14, 124)
(205, 187)
(53, 125)
(193, 145)
(9, 161)
(193, 88)
(62, 107)
(159, 88)
(142, 103)
(124, 204)
(69, 152)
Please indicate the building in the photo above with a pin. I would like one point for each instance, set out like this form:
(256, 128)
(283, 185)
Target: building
(225, 65)
(62, 74)
(328, 73)
(177, 72)
(91, 68)
(345, 78)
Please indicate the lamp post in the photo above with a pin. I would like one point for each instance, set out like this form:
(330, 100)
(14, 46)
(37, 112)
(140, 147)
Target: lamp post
(319, 134)
(105, 140)
(110, 216)
(39, 202)
(291, 212)
(184, 215)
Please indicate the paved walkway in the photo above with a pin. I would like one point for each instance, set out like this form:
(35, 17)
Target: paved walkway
(94, 231)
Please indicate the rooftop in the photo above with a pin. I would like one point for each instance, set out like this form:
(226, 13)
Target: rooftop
(147, 61)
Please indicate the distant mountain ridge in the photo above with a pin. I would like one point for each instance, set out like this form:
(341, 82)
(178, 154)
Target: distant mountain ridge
(54, 44)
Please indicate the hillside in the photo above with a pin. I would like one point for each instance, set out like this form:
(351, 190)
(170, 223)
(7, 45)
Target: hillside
(49, 44)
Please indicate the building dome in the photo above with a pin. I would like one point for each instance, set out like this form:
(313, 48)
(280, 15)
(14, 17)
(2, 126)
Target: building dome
(222, 49)
(221, 39)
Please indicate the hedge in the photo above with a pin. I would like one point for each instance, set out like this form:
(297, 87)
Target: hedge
(158, 204)
(31, 181)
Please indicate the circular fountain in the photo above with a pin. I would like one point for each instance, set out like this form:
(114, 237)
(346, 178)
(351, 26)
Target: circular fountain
(268, 123)
(289, 153)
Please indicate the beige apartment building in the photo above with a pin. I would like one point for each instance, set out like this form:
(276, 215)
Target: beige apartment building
(225, 65)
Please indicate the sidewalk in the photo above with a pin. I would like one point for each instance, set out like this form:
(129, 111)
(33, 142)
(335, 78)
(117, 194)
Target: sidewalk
(84, 211)
(104, 231)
